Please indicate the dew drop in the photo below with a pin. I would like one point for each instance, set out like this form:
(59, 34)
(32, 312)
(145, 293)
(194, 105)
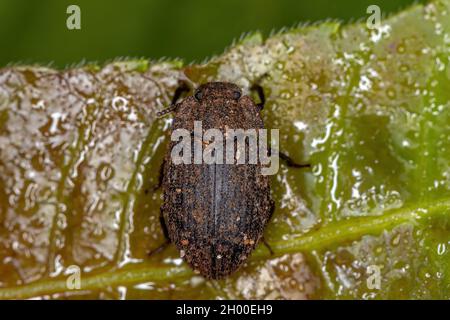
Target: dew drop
(119, 103)
(441, 249)
(390, 93)
(105, 172)
(396, 240)
(401, 49)
(404, 67)
(280, 66)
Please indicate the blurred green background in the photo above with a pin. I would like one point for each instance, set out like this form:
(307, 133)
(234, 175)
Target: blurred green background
(35, 31)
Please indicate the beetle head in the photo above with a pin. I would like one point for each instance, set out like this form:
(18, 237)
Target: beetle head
(213, 90)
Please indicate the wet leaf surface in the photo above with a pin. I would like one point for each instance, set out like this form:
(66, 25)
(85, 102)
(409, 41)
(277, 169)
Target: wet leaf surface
(80, 151)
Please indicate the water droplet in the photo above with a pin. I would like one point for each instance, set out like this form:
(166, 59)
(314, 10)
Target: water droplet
(391, 93)
(119, 103)
(39, 105)
(195, 281)
(280, 66)
(396, 240)
(404, 67)
(401, 49)
(105, 172)
(300, 125)
(285, 95)
(441, 249)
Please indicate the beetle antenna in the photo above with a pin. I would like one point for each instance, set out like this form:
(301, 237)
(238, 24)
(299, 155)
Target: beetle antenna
(161, 113)
(182, 88)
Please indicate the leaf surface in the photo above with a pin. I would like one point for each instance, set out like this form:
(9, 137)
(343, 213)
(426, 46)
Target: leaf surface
(80, 150)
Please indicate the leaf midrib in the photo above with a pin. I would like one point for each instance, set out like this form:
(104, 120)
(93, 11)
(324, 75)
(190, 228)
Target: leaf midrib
(328, 236)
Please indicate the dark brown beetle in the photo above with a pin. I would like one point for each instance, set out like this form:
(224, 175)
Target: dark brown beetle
(215, 214)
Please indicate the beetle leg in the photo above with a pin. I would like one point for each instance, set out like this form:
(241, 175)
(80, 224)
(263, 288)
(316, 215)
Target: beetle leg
(289, 161)
(260, 91)
(164, 226)
(159, 248)
(263, 240)
(262, 98)
(160, 180)
(267, 245)
(182, 88)
(166, 236)
(272, 209)
(292, 163)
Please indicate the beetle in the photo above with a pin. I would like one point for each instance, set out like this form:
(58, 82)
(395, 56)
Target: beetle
(215, 214)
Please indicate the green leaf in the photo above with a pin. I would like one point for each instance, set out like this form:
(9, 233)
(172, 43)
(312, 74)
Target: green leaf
(80, 149)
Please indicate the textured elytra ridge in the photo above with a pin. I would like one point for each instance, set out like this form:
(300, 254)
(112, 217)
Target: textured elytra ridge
(81, 148)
